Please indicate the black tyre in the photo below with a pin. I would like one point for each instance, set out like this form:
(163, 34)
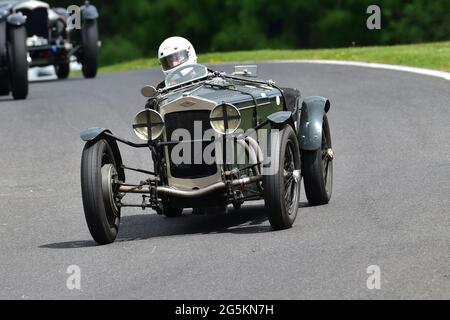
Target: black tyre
(89, 38)
(318, 170)
(18, 63)
(62, 70)
(282, 186)
(98, 169)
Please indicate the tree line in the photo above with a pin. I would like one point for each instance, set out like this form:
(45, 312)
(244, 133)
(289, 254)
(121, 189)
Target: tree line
(134, 29)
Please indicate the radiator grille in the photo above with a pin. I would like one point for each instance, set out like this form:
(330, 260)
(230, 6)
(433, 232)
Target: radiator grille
(185, 120)
(37, 22)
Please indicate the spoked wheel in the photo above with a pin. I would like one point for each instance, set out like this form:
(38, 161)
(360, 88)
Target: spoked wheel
(291, 187)
(318, 170)
(109, 174)
(99, 192)
(282, 188)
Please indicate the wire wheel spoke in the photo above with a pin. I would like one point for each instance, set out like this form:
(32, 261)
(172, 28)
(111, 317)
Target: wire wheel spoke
(290, 184)
(325, 173)
(109, 175)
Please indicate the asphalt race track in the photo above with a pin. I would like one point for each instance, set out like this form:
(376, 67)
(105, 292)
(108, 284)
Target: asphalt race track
(390, 207)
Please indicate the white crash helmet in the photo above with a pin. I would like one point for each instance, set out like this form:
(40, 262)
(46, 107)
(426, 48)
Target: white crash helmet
(175, 52)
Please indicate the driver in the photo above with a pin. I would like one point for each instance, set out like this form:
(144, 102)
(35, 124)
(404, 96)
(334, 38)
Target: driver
(175, 52)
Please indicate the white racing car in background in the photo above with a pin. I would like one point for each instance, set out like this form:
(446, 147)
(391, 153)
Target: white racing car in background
(50, 42)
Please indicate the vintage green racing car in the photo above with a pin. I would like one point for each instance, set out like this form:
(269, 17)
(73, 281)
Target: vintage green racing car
(216, 140)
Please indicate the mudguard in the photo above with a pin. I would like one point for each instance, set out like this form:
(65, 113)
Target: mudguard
(94, 134)
(281, 118)
(16, 20)
(89, 12)
(311, 121)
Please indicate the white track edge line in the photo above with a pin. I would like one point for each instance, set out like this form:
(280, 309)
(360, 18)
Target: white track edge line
(422, 71)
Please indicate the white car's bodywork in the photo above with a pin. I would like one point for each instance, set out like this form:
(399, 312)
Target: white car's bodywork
(31, 5)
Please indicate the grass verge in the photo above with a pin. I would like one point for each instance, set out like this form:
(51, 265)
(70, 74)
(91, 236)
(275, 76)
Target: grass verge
(430, 55)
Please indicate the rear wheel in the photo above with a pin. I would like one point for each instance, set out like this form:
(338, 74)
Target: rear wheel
(62, 70)
(282, 187)
(89, 37)
(318, 170)
(18, 64)
(98, 170)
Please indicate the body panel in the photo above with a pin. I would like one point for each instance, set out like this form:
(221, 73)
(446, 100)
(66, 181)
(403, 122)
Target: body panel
(30, 5)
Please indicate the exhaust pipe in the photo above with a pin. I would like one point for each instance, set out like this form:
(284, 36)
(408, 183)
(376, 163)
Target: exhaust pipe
(189, 194)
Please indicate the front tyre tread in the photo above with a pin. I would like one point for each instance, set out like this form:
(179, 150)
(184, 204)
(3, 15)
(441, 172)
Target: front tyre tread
(90, 49)
(18, 63)
(98, 214)
(281, 214)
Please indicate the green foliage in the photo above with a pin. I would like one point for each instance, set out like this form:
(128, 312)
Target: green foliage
(136, 28)
(118, 49)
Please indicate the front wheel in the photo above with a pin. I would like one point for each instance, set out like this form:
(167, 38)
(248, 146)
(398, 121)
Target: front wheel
(318, 170)
(18, 63)
(98, 171)
(89, 36)
(282, 182)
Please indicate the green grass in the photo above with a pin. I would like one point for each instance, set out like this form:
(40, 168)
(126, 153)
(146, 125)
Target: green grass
(429, 55)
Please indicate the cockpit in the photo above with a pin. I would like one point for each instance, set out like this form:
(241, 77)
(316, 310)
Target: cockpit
(185, 74)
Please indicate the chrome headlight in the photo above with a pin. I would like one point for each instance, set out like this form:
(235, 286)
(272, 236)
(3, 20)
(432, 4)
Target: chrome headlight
(225, 119)
(148, 120)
